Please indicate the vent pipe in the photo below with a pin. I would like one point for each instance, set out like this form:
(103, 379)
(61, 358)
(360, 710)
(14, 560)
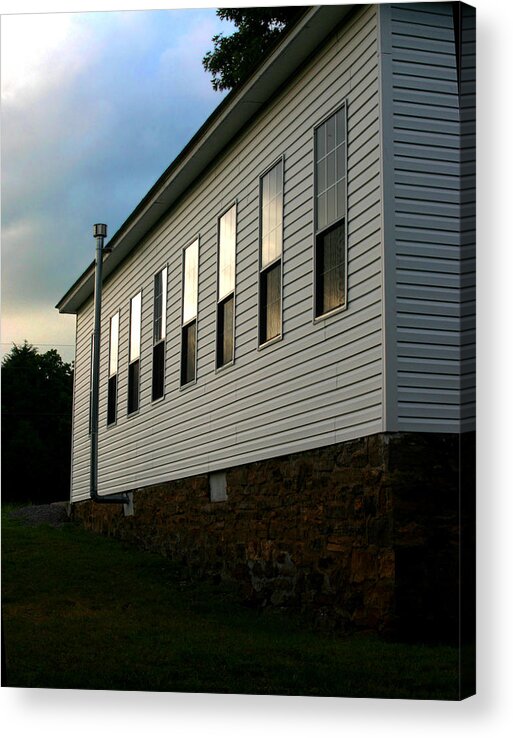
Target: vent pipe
(99, 232)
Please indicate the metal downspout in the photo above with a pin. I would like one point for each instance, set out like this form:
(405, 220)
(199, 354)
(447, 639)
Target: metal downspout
(99, 232)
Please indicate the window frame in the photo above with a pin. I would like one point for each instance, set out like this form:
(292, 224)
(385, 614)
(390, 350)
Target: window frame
(116, 373)
(219, 302)
(318, 233)
(183, 325)
(278, 260)
(130, 413)
(162, 340)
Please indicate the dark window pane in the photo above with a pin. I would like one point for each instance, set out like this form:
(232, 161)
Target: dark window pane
(270, 303)
(330, 283)
(111, 399)
(157, 328)
(225, 332)
(158, 371)
(133, 386)
(188, 371)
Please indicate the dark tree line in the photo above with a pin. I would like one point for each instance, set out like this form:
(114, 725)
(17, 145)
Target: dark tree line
(234, 57)
(37, 394)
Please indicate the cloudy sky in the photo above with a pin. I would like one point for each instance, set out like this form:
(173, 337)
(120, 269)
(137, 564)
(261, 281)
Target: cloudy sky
(95, 106)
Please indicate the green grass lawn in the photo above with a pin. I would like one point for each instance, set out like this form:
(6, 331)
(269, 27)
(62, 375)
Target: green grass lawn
(85, 612)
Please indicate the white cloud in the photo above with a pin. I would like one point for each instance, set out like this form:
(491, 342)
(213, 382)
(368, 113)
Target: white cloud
(37, 51)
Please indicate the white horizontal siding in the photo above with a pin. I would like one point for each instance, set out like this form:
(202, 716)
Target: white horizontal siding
(323, 382)
(433, 336)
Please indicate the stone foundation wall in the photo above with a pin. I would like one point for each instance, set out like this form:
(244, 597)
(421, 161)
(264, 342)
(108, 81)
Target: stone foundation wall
(362, 534)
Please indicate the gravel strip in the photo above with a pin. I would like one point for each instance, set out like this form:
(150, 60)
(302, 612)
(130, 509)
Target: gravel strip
(55, 514)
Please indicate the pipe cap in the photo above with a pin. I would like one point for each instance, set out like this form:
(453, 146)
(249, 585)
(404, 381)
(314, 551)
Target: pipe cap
(99, 229)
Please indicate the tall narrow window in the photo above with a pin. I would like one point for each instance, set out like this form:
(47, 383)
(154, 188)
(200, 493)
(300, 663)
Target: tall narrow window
(189, 313)
(134, 353)
(271, 240)
(159, 333)
(227, 237)
(112, 392)
(330, 213)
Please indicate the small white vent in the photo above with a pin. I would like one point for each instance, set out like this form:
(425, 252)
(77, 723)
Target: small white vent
(217, 485)
(128, 507)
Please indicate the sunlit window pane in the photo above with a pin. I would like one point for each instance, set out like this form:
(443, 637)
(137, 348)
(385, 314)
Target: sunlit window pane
(271, 214)
(157, 309)
(341, 197)
(331, 169)
(321, 141)
(322, 204)
(164, 302)
(159, 306)
(135, 327)
(332, 204)
(321, 175)
(341, 126)
(227, 241)
(114, 344)
(330, 134)
(341, 161)
(190, 283)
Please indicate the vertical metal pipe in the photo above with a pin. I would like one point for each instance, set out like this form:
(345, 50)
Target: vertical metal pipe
(99, 232)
